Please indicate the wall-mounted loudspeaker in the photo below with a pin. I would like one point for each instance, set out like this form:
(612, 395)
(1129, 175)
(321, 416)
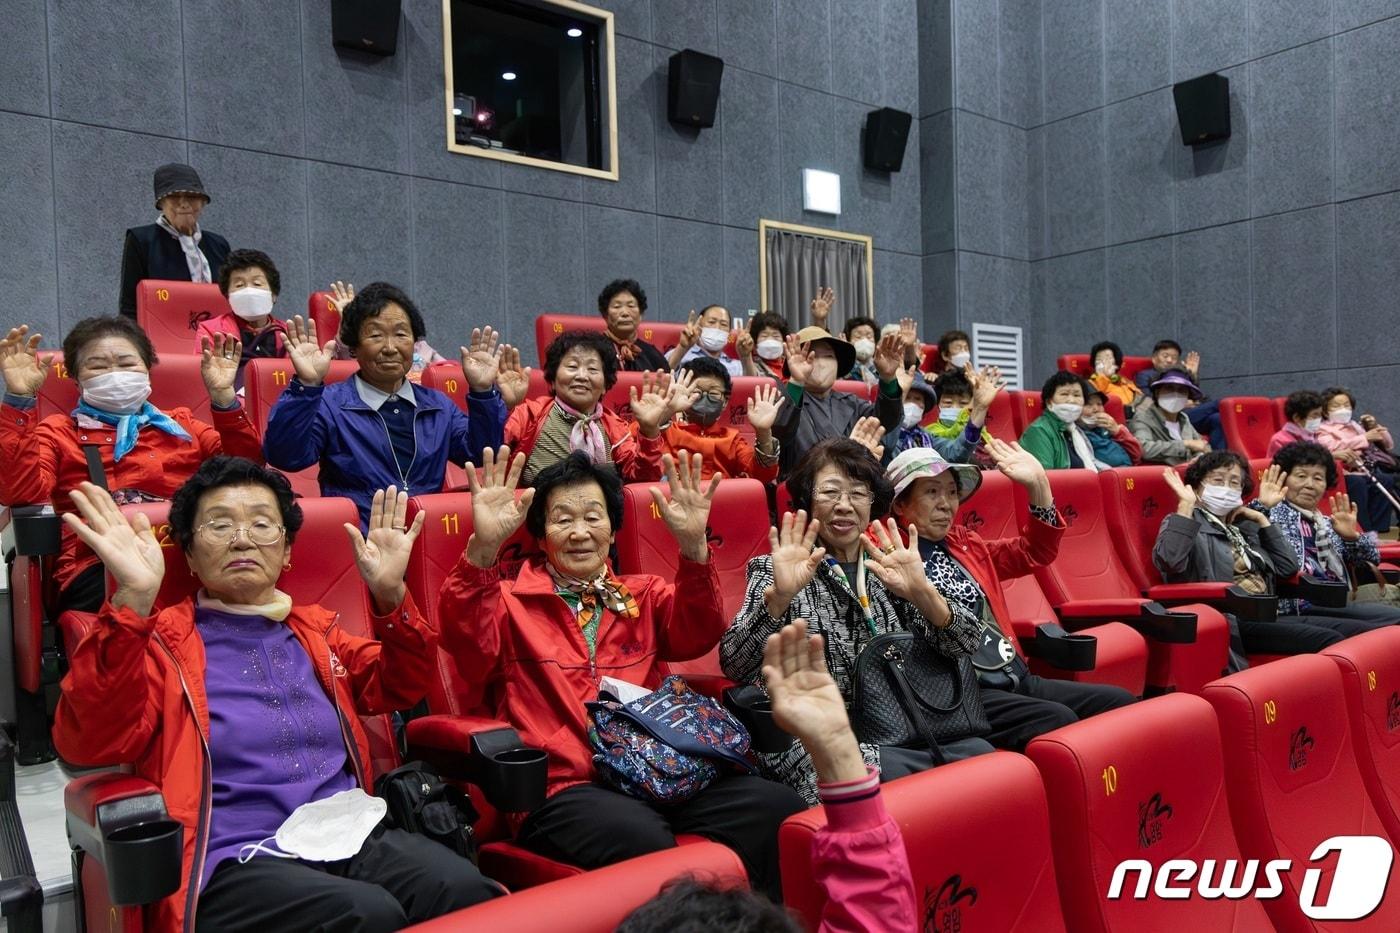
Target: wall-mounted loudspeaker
(1203, 109)
(693, 88)
(886, 132)
(366, 25)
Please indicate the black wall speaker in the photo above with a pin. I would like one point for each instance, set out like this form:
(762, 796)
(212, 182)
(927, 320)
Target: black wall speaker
(1203, 109)
(366, 25)
(692, 88)
(886, 131)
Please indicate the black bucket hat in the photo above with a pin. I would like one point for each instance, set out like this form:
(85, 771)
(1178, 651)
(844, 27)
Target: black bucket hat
(176, 178)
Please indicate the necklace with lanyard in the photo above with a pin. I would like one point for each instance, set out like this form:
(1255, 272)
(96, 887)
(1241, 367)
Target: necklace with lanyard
(858, 591)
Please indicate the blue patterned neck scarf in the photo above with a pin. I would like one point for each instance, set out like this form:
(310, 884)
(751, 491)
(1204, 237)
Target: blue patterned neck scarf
(128, 426)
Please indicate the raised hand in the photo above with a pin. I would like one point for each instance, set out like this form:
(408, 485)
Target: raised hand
(821, 306)
(382, 554)
(1015, 462)
(795, 560)
(687, 509)
(512, 379)
(898, 565)
(218, 365)
(342, 293)
(1344, 517)
(1271, 486)
(743, 343)
(128, 549)
(1192, 363)
(652, 405)
(691, 332)
(496, 512)
(763, 407)
(908, 332)
(870, 434)
(1185, 495)
(311, 360)
(986, 383)
(19, 362)
(683, 392)
(889, 356)
(800, 359)
(481, 361)
(808, 704)
(905, 377)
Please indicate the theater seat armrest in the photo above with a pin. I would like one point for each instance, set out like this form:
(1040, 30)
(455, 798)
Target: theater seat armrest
(1061, 650)
(74, 626)
(30, 530)
(1227, 597)
(1316, 591)
(83, 796)
(1151, 619)
(445, 742)
(484, 752)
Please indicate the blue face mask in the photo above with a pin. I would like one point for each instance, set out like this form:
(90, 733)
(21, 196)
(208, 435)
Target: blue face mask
(949, 415)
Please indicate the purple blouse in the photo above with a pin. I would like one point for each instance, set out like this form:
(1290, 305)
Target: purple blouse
(275, 739)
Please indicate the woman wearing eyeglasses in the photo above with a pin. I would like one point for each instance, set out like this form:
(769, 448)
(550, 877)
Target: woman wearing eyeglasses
(830, 573)
(244, 708)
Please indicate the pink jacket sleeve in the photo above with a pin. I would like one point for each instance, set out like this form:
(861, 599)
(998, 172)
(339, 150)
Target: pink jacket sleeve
(859, 860)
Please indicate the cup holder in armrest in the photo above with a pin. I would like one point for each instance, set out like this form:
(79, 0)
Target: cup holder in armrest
(1319, 592)
(754, 710)
(1159, 623)
(143, 860)
(1062, 650)
(512, 775)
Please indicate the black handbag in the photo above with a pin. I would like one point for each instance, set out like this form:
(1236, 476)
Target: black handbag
(421, 802)
(906, 693)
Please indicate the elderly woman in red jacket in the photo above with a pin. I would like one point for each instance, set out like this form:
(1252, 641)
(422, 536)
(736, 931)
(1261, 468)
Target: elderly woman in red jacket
(968, 570)
(579, 367)
(141, 452)
(542, 643)
(244, 709)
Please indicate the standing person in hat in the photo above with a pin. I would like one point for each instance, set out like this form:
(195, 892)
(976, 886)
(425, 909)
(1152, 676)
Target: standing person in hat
(815, 360)
(174, 247)
(1165, 433)
(970, 571)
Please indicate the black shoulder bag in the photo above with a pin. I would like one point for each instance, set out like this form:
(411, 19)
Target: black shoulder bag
(421, 802)
(906, 693)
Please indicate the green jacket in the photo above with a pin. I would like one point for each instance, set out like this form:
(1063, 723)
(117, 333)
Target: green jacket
(1047, 440)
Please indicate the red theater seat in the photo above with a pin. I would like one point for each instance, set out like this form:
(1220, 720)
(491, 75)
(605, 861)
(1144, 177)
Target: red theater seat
(447, 377)
(1081, 365)
(975, 865)
(996, 512)
(1370, 666)
(1146, 783)
(170, 312)
(738, 531)
(1249, 421)
(323, 572)
(1293, 779)
(664, 335)
(322, 310)
(1088, 583)
(1025, 408)
(595, 902)
(175, 383)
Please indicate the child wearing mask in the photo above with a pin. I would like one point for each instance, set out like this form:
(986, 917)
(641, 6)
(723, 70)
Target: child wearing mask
(1165, 433)
(723, 448)
(250, 281)
(860, 332)
(706, 336)
(960, 420)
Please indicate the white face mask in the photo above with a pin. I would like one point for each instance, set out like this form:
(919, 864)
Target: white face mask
(122, 392)
(1220, 500)
(1105, 367)
(913, 414)
(949, 415)
(251, 303)
(1340, 416)
(713, 339)
(325, 830)
(865, 348)
(1172, 403)
(769, 349)
(1312, 424)
(959, 360)
(1068, 412)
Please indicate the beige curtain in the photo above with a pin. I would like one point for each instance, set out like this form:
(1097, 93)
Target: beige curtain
(798, 265)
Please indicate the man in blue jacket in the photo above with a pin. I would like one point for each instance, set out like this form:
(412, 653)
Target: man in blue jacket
(378, 429)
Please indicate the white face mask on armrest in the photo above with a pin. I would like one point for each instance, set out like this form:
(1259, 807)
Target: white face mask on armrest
(325, 830)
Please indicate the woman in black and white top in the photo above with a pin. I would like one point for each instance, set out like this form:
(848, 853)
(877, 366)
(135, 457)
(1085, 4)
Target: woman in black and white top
(828, 572)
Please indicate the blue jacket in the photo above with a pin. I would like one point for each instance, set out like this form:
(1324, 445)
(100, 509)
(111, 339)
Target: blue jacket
(331, 425)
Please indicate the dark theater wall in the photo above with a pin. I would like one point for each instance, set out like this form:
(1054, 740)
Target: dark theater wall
(335, 163)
